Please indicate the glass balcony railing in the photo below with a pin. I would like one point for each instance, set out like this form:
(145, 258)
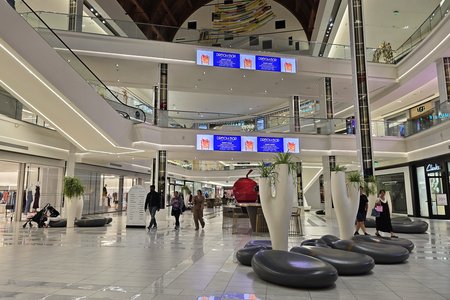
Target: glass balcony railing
(440, 12)
(280, 42)
(281, 122)
(47, 33)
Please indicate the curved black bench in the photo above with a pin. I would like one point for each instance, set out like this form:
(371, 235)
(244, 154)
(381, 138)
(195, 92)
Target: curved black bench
(267, 243)
(293, 269)
(109, 220)
(315, 242)
(329, 240)
(345, 262)
(381, 253)
(245, 255)
(405, 243)
(88, 222)
(402, 225)
(60, 223)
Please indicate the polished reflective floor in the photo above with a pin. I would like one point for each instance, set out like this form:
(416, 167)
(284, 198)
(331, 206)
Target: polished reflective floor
(164, 264)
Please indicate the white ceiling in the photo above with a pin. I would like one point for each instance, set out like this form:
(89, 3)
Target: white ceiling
(381, 24)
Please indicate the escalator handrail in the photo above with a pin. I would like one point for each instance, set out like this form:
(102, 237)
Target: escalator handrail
(81, 61)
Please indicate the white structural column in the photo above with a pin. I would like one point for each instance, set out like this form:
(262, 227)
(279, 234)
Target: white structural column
(443, 75)
(20, 192)
(71, 159)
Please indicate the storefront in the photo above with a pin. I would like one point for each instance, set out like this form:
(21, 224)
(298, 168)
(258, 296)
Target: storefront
(431, 184)
(28, 183)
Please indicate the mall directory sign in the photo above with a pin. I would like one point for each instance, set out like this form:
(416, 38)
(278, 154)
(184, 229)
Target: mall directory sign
(246, 61)
(247, 143)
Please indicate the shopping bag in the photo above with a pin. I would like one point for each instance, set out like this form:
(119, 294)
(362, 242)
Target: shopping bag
(379, 208)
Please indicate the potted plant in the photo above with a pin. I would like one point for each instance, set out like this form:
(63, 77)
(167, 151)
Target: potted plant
(73, 191)
(346, 199)
(276, 190)
(370, 189)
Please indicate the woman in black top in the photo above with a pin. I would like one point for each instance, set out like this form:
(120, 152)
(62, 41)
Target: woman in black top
(362, 212)
(383, 222)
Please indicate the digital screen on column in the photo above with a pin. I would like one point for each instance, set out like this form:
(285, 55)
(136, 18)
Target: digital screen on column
(226, 60)
(270, 144)
(268, 63)
(227, 143)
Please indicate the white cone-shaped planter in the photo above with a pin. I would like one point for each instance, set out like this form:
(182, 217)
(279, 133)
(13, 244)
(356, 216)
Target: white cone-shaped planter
(345, 205)
(277, 209)
(78, 207)
(71, 211)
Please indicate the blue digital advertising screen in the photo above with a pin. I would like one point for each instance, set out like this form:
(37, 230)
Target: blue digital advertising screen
(247, 143)
(268, 63)
(246, 61)
(226, 60)
(270, 144)
(227, 143)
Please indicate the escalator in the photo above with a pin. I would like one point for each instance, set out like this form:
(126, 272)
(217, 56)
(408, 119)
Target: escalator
(50, 85)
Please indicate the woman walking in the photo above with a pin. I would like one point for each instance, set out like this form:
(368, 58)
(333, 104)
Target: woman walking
(383, 222)
(197, 210)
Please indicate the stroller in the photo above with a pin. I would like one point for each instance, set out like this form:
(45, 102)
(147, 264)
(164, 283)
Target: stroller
(40, 217)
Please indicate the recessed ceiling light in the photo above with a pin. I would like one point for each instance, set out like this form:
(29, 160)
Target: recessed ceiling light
(96, 14)
(231, 89)
(196, 86)
(282, 78)
(92, 9)
(117, 65)
(265, 91)
(250, 108)
(118, 80)
(204, 73)
(396, 12)
(406, 27)
(243, 76)
(103, 21)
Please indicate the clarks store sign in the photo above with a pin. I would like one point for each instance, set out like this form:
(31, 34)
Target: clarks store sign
(421, 109)
(433, 168)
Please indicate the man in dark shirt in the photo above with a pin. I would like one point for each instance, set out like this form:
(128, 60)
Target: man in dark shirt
(362, 212)
(152, 202)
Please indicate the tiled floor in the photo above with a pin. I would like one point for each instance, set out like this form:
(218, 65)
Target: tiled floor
(118, 263)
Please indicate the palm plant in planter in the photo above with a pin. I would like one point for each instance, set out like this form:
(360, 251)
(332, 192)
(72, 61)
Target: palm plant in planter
(277, 205)
(73, 191)
(346, 199)
(370, 189)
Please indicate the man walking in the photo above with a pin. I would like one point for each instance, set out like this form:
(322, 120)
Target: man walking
(153, 203)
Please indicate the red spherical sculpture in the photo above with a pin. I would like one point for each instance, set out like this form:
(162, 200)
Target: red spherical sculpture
(244, 189)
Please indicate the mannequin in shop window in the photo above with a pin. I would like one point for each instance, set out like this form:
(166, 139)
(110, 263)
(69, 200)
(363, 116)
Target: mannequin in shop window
(104, 194)
(37, 196)
(29, 199)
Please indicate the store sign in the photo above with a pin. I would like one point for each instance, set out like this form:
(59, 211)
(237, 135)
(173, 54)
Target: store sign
(136, 216)
(235, 143)
(246, 61)
(433, 168)
(421, 109)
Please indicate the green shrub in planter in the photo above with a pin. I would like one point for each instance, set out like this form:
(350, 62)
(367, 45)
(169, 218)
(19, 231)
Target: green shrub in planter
(72, 187)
